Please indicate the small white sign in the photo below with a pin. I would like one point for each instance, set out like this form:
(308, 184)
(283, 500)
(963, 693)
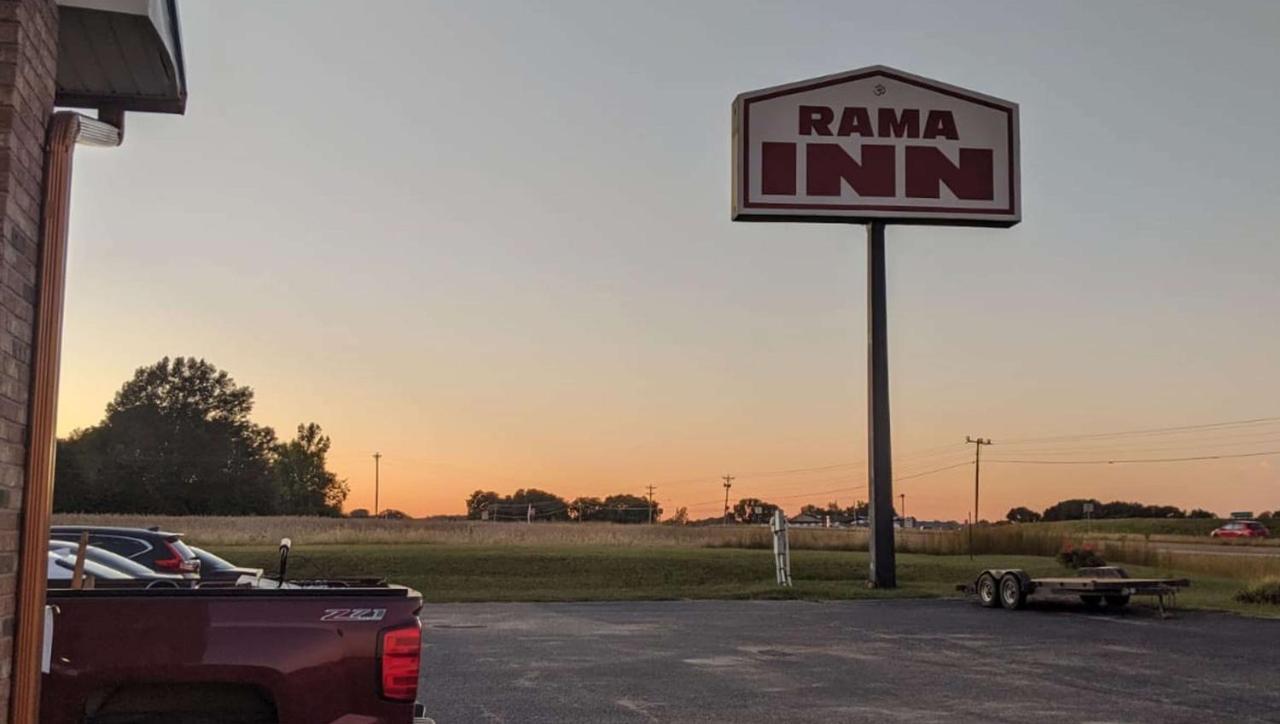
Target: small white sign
(875, 144)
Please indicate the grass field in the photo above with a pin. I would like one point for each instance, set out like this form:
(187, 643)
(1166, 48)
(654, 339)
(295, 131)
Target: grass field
(596, 573)
(469, 560)
(1198, 527)
(266, 530)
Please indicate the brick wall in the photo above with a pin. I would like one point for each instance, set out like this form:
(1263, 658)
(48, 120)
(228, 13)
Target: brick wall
(28, 61)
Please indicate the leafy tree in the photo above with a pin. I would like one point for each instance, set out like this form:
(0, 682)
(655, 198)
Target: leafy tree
(306, 485)
(586, 509)
(680, 518)
(177, 440)
(1022, 515)
(185, 388)
(1069, 509)
(625, 508)
(858, 511)
(516, 507)
(393, 514)
(479, 501)
(359, 513)
(1074, 510)
(753, 510)
(1201, 513)
(546, 506)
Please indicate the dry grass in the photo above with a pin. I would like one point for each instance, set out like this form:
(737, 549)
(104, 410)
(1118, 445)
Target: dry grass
(239, 531)
(214, 531)
(1031, 539)
(1266, 591)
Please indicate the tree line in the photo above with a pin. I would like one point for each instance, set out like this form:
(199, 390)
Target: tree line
(1074, 509)
(177, 439)
(533, 504)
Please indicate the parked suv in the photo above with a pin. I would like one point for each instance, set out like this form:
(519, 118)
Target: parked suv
(158, 550)
(1241, 529)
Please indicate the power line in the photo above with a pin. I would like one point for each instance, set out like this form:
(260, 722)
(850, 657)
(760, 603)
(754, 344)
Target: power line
(792, 485)
(793, 471)
(925, 453)
(1139, 460)
(1144, 431)
(1252, 438)
(931, 472)
(861, 484)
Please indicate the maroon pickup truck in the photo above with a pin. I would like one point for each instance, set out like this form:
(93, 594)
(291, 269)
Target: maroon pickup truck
(311, 655)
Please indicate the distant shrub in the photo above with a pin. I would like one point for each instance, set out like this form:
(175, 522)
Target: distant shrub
(1082, 557)
(1265, 591)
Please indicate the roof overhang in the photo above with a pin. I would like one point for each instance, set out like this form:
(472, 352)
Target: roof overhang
(120, 54)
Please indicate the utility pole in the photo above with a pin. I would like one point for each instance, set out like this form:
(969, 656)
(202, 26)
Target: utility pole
(902, 511)
(977, 443)
(377, 460)
(651, 487)
(728, 481)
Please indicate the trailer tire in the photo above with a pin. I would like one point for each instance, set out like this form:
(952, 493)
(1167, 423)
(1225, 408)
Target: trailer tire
(1091, 601)
(1012, 596)
(988, 591)
(1118, 601)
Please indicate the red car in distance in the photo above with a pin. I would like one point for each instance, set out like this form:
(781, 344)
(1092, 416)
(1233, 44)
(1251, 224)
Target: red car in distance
(1241, 529)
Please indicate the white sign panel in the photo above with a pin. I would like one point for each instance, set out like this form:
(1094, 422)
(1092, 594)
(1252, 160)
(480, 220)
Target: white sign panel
(875, 144)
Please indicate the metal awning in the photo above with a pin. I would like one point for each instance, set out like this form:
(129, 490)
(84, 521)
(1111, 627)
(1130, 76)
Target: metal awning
(120, 54)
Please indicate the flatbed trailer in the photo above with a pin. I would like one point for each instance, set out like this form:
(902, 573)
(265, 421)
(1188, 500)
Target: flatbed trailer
(1109, 585)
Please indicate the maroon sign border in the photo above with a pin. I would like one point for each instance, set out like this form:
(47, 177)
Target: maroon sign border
(747, 204)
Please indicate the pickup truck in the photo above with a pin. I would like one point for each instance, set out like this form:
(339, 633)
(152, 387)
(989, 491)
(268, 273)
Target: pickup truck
(318, 653)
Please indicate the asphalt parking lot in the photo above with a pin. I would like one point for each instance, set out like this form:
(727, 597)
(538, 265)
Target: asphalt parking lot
(792, 661)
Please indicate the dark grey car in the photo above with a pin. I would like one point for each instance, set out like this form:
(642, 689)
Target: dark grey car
(158, 550)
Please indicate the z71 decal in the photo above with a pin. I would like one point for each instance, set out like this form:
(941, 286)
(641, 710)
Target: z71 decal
(354, 614)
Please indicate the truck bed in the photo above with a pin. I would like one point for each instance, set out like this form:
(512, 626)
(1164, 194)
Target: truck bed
(306, 655)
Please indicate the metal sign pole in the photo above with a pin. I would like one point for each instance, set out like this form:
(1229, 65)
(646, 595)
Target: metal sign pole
(879, 458)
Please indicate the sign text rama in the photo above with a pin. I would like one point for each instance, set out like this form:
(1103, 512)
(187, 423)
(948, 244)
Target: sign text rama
(875, 144)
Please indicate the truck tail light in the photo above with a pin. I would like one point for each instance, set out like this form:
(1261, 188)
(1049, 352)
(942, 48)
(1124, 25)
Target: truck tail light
(176, 563)
(401, 648)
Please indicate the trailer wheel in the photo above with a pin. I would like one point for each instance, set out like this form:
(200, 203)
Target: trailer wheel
(1012, 596)
(1117, 602)
(1091, 601)
(988, 591)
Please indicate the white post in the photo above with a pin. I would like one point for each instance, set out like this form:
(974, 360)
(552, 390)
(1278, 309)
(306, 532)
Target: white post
(781, 548)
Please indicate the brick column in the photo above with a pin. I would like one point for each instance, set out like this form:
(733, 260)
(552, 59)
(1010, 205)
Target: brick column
(28, 65)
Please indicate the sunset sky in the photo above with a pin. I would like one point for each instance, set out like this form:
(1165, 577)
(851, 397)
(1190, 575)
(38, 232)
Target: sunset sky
(492, 241)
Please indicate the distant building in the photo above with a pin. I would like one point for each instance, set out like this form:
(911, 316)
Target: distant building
(806, 520)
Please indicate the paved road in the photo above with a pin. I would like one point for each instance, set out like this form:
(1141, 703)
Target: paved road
(791, 661)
